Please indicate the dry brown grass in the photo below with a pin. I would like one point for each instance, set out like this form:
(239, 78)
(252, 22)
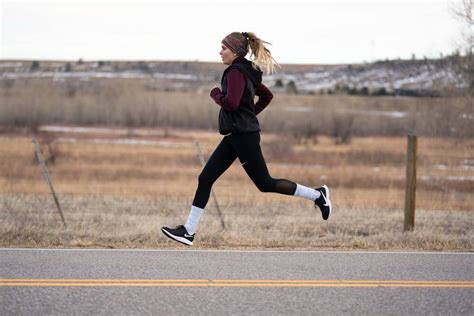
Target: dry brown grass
(131, 102)
(119, 195)
(111, 221)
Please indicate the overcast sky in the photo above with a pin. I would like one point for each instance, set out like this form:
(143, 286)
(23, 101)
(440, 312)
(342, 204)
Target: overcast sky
(316, 32)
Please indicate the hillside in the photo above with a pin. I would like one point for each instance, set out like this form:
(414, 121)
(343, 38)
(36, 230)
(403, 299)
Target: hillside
(391, 77)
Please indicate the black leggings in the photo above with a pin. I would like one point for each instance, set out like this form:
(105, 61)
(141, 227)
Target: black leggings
(246, 147)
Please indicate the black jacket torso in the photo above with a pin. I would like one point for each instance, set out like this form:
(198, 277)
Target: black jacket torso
(243, 120)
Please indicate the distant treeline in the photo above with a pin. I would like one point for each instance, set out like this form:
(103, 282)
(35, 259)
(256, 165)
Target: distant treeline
(365, 91)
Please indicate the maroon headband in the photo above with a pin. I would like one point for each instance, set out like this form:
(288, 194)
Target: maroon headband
(237, 43)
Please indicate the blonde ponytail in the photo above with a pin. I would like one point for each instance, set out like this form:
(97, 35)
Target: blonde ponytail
(262, 57)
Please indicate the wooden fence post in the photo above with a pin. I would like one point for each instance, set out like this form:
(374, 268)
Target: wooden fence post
(203, 163)
(410, 186)
(48, 179)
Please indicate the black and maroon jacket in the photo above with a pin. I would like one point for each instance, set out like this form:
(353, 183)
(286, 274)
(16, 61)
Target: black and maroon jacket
(240, 83)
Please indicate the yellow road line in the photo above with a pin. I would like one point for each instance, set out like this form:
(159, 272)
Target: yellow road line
(235, 283)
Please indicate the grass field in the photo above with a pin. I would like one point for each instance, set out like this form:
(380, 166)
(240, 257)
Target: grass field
(130, 166)
(118, 186)
(138, 103)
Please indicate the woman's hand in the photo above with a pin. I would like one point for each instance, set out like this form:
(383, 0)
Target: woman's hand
(215, 90)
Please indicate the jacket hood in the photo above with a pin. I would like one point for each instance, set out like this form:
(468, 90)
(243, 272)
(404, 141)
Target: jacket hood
(249, 71)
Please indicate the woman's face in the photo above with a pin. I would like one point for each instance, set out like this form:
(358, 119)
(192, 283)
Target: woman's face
(227, 55)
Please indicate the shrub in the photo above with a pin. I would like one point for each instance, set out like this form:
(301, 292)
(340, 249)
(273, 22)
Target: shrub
(342, 128)
(35, 65)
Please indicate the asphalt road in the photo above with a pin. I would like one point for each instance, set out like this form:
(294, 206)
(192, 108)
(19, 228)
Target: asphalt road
(144, 282)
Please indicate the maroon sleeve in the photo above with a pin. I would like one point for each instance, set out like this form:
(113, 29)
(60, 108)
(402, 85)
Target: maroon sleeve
(264, 98)
(235, 90)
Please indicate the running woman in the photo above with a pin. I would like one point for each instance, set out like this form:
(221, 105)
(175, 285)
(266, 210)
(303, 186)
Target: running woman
(241, 82)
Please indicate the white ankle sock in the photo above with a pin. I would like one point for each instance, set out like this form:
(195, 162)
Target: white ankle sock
(193, 219)
(307, 193)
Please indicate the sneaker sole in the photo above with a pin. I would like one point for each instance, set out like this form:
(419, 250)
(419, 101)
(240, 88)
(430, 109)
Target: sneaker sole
(177, 238)
(328, 199)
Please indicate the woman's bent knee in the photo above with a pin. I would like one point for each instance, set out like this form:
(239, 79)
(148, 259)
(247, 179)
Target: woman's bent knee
(266, 186)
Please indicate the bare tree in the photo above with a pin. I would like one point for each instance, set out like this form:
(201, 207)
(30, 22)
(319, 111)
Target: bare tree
(463, 11)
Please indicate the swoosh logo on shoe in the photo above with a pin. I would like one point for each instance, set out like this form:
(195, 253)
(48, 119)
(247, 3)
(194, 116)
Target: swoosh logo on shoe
(325, 199)
(188, 236)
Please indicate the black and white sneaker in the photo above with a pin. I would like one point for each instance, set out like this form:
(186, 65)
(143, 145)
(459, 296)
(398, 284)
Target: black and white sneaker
(323, 202)
(179, 233)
